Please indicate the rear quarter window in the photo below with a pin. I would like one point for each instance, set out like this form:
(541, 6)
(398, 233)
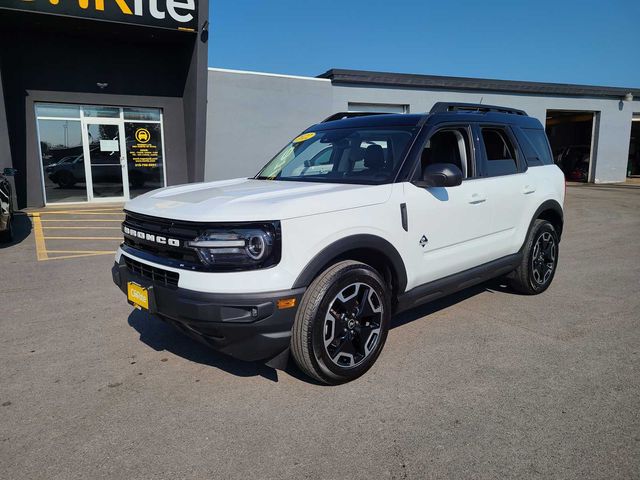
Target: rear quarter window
(538, 140)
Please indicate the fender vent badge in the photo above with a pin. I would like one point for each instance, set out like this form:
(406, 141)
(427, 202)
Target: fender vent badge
(424, 240)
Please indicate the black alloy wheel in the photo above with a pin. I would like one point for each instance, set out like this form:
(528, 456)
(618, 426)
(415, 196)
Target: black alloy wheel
(543, 258)
(539, 260)
(352, 325)
(342, 323)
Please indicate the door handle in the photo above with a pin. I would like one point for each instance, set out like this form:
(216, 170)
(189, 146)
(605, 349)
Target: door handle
(476, 198)
(527, 189)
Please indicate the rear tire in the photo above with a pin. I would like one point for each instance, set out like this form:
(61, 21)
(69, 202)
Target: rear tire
(539, 260)
(342, 323)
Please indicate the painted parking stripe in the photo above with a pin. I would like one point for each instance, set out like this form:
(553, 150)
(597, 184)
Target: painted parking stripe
(80, 253)
(80, 228)
(83, 220)
(83, 238)
(61, 220)
(41, 248)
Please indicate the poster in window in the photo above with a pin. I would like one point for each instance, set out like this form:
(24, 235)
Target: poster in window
(144, 157)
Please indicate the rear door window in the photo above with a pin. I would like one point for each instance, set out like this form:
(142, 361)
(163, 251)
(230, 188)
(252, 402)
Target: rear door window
(500, 152)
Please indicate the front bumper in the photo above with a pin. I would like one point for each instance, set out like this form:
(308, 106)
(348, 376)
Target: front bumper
(245, 326)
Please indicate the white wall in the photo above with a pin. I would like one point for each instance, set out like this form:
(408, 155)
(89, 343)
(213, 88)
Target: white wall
(612, 145)
(251, 116)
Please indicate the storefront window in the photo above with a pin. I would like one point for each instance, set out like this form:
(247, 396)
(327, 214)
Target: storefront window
(88, 152)
(142, 114)
(104, 112)
(62, 160)
(58, 110)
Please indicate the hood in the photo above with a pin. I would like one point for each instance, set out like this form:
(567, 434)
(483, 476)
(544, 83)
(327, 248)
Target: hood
(243, 199)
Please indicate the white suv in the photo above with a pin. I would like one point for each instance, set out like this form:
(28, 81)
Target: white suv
(359, 217)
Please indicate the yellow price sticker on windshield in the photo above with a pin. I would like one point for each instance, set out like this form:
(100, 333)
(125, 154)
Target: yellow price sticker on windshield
(303, 137)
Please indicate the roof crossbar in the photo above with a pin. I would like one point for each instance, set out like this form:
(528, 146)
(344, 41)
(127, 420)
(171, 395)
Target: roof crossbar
(440, 107)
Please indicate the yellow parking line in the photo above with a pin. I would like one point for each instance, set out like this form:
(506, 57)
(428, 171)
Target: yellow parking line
(77, 220)
(82, 251)
(67, 211)
(92, 254)
(81, 228)
(41, 249)
(81, 213)
(82, 238)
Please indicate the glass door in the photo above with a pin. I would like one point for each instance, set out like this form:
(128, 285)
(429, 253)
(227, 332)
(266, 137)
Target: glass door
(105, 159)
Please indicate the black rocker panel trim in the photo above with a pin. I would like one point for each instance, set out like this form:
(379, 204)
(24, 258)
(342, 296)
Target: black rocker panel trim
(354, 242)
(456, 282)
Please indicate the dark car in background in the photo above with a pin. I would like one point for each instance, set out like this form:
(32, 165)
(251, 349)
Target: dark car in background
(573, 160)
(6, 205)
(70, 170)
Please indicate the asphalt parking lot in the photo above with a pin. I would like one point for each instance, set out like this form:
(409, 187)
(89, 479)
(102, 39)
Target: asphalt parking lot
(484, 384)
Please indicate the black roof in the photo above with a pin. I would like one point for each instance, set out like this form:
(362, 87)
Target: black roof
(403, 80)
(373, 120)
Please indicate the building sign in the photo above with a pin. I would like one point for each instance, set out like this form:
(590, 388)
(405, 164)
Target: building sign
(175, 14)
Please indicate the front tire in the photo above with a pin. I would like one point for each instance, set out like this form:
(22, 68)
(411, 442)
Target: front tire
(539, 260)
(342, 323)
(65, 179)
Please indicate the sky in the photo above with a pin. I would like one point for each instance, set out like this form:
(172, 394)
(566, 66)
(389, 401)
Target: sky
(562, 41)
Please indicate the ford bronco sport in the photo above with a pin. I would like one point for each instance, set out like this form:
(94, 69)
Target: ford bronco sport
(358, 218)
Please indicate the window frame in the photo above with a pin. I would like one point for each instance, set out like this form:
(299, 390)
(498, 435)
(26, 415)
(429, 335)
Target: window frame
(521, 165)
(415, 172)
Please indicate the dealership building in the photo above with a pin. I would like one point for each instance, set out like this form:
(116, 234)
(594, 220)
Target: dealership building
(102, 100)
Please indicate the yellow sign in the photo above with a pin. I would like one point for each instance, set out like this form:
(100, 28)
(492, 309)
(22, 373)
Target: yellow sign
(138, 295)
(143, 135)
(303, 137)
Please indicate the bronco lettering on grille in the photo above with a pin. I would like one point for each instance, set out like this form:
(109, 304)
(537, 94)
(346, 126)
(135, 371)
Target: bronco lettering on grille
(150, 237)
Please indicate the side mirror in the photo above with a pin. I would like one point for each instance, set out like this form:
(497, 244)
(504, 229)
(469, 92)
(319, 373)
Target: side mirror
(9, 172)
(440, 175)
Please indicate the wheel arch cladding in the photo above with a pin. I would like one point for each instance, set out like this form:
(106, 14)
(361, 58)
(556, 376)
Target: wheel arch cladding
(550, 211)
(370, 249)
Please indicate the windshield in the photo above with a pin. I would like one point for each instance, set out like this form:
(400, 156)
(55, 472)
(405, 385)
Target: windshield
(348, 155)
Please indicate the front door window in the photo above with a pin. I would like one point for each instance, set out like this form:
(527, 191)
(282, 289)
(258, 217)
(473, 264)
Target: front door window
(94, 153)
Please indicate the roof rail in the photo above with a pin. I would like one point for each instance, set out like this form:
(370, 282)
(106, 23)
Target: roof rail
(440, 107)
(343, 115)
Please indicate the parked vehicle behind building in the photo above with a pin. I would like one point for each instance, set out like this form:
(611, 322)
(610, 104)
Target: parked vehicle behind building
(354, 220)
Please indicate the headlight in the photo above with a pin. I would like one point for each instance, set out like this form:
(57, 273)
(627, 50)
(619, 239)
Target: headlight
(238, 248)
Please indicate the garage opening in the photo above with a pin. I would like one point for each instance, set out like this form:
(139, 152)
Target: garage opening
(633, 167)
(571, 137)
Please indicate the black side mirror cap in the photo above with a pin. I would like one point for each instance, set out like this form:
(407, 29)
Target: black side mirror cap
(9, 172)
(440, 175)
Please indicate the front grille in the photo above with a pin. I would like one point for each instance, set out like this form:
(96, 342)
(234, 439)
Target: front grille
(177, 234)
(158, 276)
(182, 231)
